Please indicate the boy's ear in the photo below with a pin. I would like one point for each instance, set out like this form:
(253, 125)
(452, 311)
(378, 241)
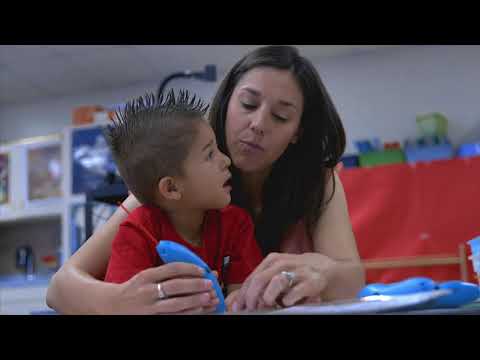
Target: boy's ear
(169, 189)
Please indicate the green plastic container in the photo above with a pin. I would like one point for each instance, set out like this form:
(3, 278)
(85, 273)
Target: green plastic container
(432, 124)
(385, 157)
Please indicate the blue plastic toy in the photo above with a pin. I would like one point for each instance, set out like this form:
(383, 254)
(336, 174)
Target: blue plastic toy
(170, 251)
(460, 293)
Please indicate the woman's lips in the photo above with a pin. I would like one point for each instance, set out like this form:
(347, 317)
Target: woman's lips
(251, 145)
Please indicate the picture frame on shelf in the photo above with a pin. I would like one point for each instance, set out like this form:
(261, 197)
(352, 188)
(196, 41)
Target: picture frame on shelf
(8, 175)
(44, 165)
(5, 171)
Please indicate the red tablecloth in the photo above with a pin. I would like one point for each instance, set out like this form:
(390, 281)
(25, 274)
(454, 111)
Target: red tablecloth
(408, 210)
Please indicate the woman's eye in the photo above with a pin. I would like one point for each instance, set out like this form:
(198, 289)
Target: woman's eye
(280, 118)
(210, 155)
(248, 106)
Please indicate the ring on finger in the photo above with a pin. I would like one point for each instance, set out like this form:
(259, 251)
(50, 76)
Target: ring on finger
(161, 293)
(290, 275)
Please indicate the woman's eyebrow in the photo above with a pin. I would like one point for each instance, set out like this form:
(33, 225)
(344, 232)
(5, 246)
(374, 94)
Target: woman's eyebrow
(251, 91)
(258, 93)
(286, 103)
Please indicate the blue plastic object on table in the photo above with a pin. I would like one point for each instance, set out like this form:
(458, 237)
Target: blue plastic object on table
(475, 245)
(170, 251)
(460, 293)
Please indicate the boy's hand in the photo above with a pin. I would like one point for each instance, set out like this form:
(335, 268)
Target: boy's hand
(187, 292)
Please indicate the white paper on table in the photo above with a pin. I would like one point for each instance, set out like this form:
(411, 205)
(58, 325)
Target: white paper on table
(369, 305)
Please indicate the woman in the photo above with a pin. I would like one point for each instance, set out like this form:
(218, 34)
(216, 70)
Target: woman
(274, 118)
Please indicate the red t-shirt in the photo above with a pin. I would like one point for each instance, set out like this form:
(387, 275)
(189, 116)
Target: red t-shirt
(227, 234)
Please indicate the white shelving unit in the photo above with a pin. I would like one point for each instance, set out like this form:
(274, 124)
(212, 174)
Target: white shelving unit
(21, 208)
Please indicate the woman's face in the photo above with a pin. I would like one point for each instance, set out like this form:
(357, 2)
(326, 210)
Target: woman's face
(263, 118)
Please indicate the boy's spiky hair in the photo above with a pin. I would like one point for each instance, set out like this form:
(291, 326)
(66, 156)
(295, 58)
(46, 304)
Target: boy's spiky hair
(151, 136)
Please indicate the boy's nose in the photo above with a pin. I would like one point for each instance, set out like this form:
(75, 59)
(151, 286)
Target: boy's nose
(227, 161)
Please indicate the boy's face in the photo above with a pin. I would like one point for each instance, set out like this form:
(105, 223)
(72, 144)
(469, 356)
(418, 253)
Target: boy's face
(205, 184)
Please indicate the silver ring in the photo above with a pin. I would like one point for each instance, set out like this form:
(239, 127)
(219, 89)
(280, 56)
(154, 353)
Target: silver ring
(290, 277)
(161, 294)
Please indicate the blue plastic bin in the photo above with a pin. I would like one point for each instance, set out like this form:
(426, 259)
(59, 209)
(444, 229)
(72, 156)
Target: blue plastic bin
(469, 150)
(429, 153)
(350, 161)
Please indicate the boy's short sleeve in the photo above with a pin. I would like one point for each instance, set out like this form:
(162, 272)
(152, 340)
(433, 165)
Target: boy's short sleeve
(246, 254)
(131, 254)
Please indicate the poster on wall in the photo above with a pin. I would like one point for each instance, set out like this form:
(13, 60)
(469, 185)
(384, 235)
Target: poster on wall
(45, 172)
(4, 178)
(92, 162)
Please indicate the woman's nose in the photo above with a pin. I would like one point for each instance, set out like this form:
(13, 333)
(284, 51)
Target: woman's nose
(258, 123)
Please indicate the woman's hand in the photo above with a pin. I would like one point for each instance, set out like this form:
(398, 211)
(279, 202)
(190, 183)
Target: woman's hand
(267, 286)
(230, 299)
(186, 290)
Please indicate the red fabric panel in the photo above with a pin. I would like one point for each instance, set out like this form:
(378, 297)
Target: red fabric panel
(409, 210)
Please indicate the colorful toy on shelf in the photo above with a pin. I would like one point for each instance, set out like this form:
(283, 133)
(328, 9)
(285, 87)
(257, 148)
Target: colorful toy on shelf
(392, 146)
(374, 153)
(428, 148)
(350, 161)
(366, 146)
(469, 150)
(432, 124)
(383, 157)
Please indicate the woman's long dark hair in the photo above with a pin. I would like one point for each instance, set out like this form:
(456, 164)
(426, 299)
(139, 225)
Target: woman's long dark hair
(295, 188)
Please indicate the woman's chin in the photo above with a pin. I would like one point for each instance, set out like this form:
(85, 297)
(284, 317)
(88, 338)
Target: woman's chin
(248, 165)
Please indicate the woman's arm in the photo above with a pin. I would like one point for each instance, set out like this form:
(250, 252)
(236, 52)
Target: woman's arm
(334, 238)
(75, 288)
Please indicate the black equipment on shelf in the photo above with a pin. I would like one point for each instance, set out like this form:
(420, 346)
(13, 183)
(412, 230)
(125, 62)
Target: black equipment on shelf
(209, 74)
(109, 194)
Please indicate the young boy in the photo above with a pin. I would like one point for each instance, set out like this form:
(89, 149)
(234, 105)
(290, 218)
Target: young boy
(168, 157)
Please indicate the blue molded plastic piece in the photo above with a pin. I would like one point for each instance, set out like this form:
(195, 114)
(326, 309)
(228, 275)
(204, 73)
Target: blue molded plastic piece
(170, 251)
(461, 293)
(409, 286)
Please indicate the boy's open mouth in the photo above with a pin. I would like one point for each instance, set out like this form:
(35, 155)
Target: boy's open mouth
(228, 183)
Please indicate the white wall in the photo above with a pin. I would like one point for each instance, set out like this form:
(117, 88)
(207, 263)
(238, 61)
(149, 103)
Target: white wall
(377, 94)
(52, 116)
(380, 93)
